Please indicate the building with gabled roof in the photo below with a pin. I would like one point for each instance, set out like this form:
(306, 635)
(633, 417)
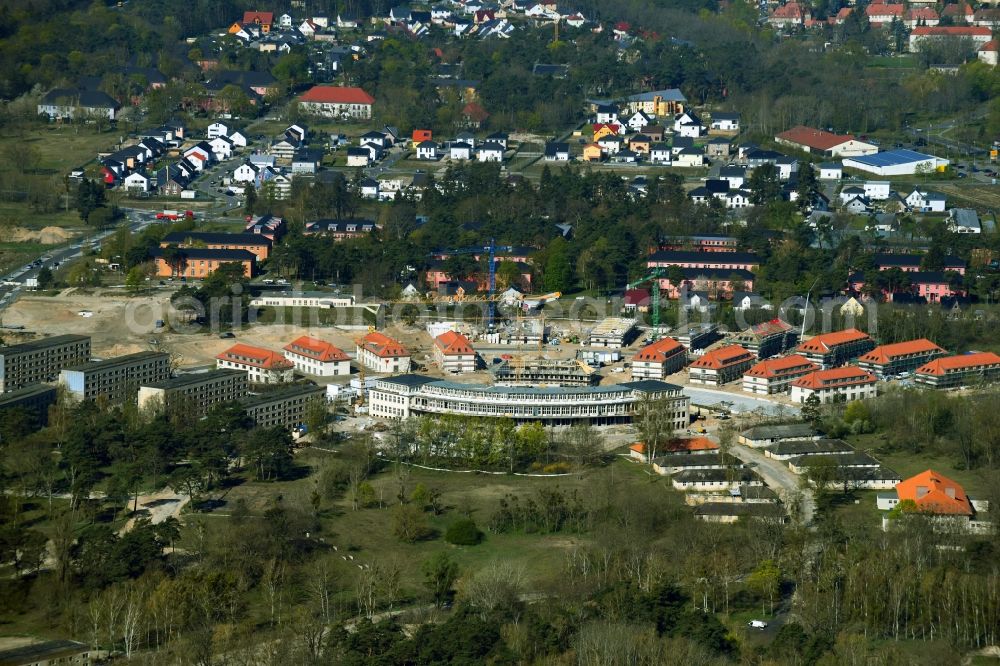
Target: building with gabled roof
(454, 353)
(262, 366)
(813, 447)
(828, 350)
(775, 375)
(961, 370)
(337, 101)
(721, 365)
(312, 356)
(824, 143)
(931, 493)
(769, 435)
(890, 360)
(659, 359)
(835, 385)
(978, 34)
(381, 353)
(767, 338)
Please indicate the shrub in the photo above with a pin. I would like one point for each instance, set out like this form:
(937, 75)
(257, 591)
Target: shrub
(463, 532)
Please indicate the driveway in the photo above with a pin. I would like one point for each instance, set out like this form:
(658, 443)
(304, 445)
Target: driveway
(779, 478)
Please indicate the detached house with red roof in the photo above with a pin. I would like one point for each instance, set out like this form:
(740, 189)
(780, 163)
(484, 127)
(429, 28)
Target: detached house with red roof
(337, 102)
(312, 356)
(890, 360)
(979, 35)
(721, 366)
(836, 385)
(775, 375)
(884, 13)
(827, 144)
(659, 359)
(790, 14)
(381, 353)
(454, 353)
(828, 350)
(931, 494)
(262, 366)
(960, 370)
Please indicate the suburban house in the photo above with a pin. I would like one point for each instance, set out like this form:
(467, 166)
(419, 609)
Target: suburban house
(556, 152)
(659, 359)
(819, 142)
(961, 370)
(828, 350)
(835, 385)
(925, 201)
(964, 221)
(312, 356)
(72, 103)
(381, 353)
(337, 102)
(490, 152)
(427, 150)
(262, 366)
(830, 171)
(902, 357)
(721, 365)
(660, 153)
(358, 157)
(454, 353)
(932, 494)
(725, 122)
(460, 151)
(775, 375)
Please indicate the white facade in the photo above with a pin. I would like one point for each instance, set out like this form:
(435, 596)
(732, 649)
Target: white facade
(384, 364)
(256, 374)
(217, 130)
(311, 366)
(136, 182)
(877, 190)
(846, 393)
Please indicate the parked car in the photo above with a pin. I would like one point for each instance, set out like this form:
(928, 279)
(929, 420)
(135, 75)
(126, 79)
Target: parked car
(757, 624)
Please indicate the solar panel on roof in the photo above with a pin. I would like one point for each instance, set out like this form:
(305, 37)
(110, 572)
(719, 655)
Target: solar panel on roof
(891, 157)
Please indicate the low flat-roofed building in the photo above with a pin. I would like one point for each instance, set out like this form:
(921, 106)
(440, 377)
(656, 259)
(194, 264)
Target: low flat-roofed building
(828, 350)
(898, 358)
(734, 495)
(198, 391)
(403, 396)
(961, 370)
(775, 375)
(262, 366)
(35, 400)
(659, 359)
(730, 512)
(835, 385)
(721, 366)
(800, 464)
(815, 447)
(41, 360)
(48, 653)
(286, 407)
(613, 333)
(768, 435)
(116, 380)
(312, 356)
(302, 299)
(671, 463)
(715, 479)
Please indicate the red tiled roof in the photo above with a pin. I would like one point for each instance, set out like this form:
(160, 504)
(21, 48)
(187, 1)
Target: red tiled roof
(638, 447)
(316, 349)
(422, 135)
(475, 111)
(637, 297)
(846, 376)
(826, 341)
(722, 357)
(452, 343)
(336, 95)
(264, 18)
(690, 444)
(383, 346)
(935, 493)
(941, 366)
(814, 138)
(772, 327)
(992, 45)
(926, 13)
(255, 356)
(776, 367)
(951, 31)
(885, 353)
(885, 10)
(792, 10)
(659, 351)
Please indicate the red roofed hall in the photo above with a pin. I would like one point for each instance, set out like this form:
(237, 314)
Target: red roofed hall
(721, 366)
(313, 356)
(835, 385)
(825, 143)
(262, 366)
(895, 359)
(337, 102)
(931, 493)
(692, 445)
(381, 353)
(454, 353)
(961, 370)
(829, 350)
(659, 359)
(979, 35)
(775, 375)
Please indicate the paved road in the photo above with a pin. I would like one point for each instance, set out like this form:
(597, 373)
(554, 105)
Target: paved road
(779, 478)
(12, 284)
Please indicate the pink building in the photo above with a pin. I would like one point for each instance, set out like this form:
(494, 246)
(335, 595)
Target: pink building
(744, 261)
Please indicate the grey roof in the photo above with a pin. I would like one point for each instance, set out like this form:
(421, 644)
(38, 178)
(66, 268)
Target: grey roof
(741, 475)
(719, 115)
(42, 343)
(668, 94)
(851, 459)
(681, 256)
(788, 431)
(206, 253)
(125, 360)
(756, 510)
(47, 651)
(192, 378)
(294, 391)
(178, 237)
(410, 380)
(803, 447)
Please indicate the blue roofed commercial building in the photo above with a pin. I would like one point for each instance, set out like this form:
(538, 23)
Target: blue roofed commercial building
(896, 163)
(403, 396)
